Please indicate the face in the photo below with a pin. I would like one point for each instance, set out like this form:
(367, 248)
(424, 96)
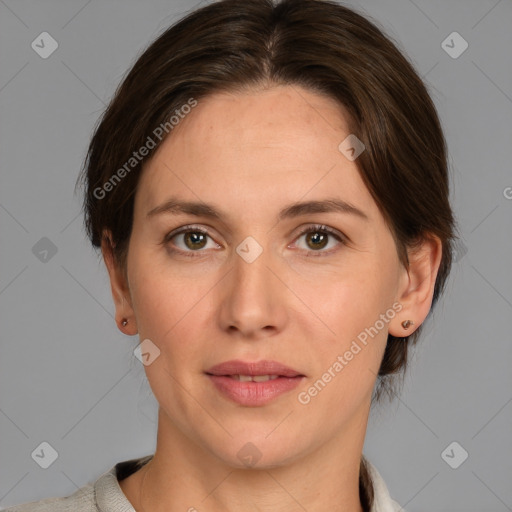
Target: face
(251, 279)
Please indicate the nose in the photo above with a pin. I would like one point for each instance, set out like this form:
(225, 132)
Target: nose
(253, 297)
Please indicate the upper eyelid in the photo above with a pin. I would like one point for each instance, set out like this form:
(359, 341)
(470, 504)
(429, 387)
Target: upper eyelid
(185, 229)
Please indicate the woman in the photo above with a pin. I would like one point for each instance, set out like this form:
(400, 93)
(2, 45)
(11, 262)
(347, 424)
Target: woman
(269, 190)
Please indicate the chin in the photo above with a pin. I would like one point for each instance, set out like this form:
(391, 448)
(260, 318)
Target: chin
(258, 452)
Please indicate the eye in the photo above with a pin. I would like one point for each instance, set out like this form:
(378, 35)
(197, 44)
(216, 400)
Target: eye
(190, 239)
(317, 238)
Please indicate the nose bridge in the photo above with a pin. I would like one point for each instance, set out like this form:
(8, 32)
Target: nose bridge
(251, 274)
(251, 270)
(251, 300)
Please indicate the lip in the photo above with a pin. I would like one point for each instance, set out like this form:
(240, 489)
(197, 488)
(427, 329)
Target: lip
(264, 367)
(253, 394)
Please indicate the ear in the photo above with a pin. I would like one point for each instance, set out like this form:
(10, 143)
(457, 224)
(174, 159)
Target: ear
(119, 287)
(416, 289)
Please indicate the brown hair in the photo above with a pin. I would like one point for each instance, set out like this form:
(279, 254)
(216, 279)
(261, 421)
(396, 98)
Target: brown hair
(233, 45)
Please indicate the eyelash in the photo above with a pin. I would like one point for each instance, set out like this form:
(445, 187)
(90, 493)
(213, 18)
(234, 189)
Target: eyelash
(317, 228)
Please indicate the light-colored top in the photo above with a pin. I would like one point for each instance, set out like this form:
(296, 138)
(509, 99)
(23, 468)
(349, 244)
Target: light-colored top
(105, 494)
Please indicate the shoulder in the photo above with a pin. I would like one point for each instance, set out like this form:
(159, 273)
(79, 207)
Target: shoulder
(102, 495)
(81, 500)
(383, 502)
(397, 507)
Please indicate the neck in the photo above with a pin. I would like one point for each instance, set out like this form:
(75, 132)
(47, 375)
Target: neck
(183, 476)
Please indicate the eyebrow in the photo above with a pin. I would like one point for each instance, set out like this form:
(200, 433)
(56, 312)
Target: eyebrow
(175, 206)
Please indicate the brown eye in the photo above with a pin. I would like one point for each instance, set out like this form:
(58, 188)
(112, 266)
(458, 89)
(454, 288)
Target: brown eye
(188, 240)
(194, 239)
(318, 237)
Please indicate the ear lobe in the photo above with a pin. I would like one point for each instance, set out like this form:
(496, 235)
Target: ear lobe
(417, 290)
(119, 286)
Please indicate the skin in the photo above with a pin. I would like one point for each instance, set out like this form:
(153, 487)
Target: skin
(250, 154)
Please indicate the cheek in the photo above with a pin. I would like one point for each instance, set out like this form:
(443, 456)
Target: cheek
(345, 322)
(167, 306)
(157, 298)
(346, 301)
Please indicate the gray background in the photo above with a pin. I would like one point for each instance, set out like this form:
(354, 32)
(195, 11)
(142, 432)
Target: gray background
(69, 377)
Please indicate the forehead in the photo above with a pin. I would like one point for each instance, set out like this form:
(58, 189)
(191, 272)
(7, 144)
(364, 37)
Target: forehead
(279, 144)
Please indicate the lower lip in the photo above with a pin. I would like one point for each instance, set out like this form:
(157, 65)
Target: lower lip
(254, 393)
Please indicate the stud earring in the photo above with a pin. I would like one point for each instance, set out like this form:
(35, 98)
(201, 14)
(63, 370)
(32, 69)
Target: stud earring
(407, 323)
(124, 322)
